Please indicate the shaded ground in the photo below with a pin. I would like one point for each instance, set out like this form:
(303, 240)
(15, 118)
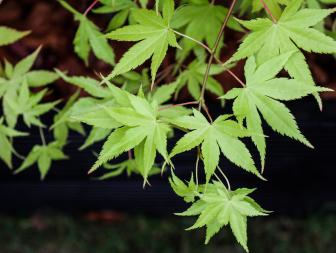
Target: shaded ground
(113, 232)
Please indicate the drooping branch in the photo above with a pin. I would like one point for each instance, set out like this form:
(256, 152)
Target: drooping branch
(90, 7)
(213, 51)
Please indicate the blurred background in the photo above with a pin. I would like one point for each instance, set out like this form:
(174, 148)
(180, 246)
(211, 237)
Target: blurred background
(72, 212)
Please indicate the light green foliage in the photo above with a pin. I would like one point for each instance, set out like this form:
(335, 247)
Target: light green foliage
(137, 124)
(9, 35)
(291, 32)
(193, 77)
(217, 207)
(17, 99)
(89, 37)
(202, 21)
(135, 110)
(260, 96)
(187, 192)
(6, 135)
(222, 135)
(155, 35)
(43, 156)
(28, 105)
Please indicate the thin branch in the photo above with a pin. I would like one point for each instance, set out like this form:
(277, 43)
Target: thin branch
(42, 136)
(130, 157)
(268, 10)
(194, 40)
(225, 177)
(90, 7)
(196, 166)
(210, 51)
(233, 75)
(205, 108)
(182, 104)
(18, 155)
(213, 51)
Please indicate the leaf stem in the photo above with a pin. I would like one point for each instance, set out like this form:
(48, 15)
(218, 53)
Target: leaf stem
(194, 40)
(18, 155)
(42, 136)
(268, 10)
(130, 157)
(90, 7)
(182, 104)
(196, 167)
(225, 177)
(205, 108)
(234, 75)
(210, 51)
(213, 51)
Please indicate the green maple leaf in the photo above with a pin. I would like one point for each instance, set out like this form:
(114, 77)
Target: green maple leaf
(260, 96)
(222, 135)
(137, 125)
(17, 76)
(89, 37)
(291, 32)
(155, 35)
(43, 155)
(202, 21)
(6, 133)
(187, 192)
(193, 77)
(9, 35)
(28, 105)
(218, 207)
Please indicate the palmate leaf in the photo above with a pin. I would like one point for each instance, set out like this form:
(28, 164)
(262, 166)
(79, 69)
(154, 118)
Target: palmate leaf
(218, 207)
(89, 37)
(260, 96)
(291, 32)
(187, 191)
(28, 105)
(136, 126)
(9, 35)
(202, 21)
(155, 35)
(15, 77)
(43, 155)
(222, 135)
